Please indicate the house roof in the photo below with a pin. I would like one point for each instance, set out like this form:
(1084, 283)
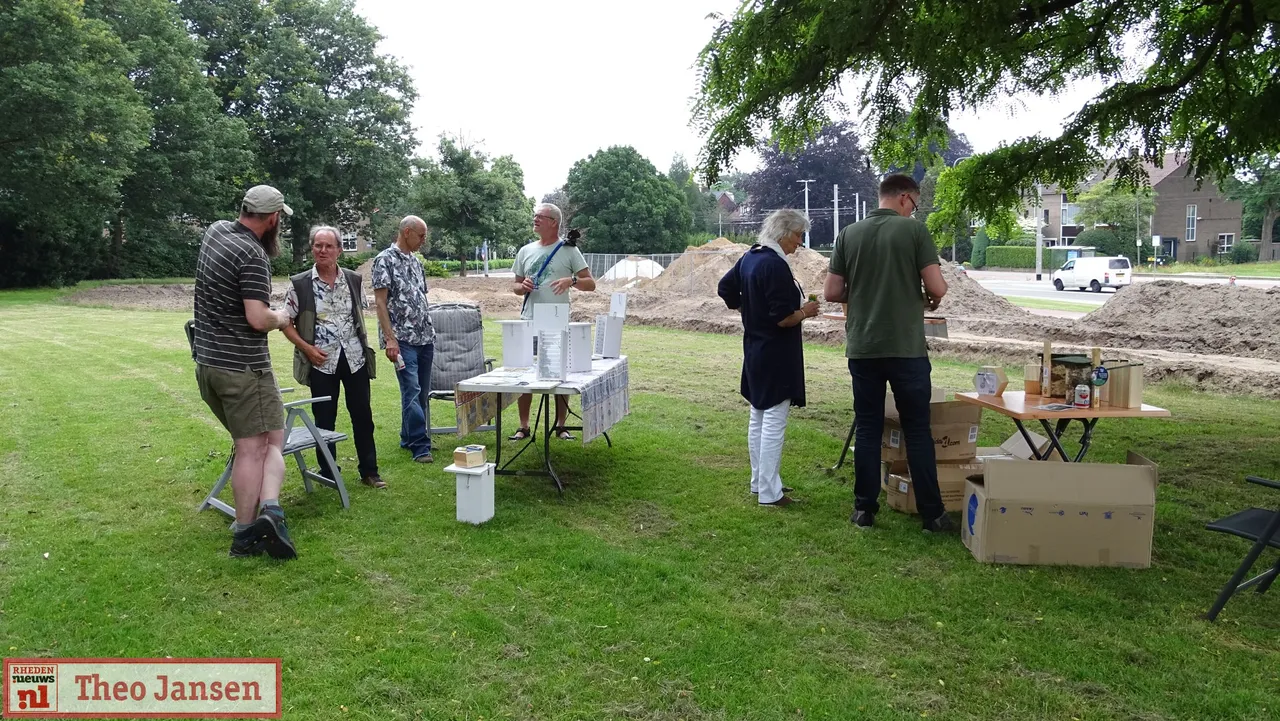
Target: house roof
(1172, 162)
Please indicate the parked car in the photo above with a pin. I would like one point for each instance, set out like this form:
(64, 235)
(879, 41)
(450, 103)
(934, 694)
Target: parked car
(1094, 273)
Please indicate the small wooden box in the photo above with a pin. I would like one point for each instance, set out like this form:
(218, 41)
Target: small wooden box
(990, 381)
(1031, 379)
(469, 456)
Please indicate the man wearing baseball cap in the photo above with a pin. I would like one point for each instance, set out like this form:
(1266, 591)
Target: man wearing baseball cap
(233, 316)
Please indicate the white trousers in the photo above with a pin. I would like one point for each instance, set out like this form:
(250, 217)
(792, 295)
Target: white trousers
(764, 441)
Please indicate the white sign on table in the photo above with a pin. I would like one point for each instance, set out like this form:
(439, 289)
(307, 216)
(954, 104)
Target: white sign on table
(550, 317)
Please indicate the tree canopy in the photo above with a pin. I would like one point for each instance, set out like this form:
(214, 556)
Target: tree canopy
(1125, 212)
(834, 156)
(625, 205)
(328, 115)
(1207, 86)
(1257, 187)
(467, 199)
(70, 125)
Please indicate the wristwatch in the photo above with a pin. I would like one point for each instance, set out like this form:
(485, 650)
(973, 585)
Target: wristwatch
(575, 281)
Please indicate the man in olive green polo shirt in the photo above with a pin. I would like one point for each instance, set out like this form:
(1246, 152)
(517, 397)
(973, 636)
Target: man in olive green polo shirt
(877, 268)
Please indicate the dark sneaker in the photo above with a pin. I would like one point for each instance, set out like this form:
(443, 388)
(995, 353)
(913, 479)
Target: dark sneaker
(941, 524)
(782, 502)
(863, 519)
(424, 458)
(278, 544)
(785, 489)
(250, 541)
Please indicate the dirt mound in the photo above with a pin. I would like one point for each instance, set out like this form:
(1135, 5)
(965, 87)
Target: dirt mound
(966, 298)
(699, 269)
(1172, 315)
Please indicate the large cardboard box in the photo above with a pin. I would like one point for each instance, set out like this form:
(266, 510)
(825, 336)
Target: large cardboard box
(936, 395)
(900, 491)
(1062, 514)
(953, 425)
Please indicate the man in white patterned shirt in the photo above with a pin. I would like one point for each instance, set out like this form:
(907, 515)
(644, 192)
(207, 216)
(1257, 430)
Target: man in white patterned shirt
(332, 349)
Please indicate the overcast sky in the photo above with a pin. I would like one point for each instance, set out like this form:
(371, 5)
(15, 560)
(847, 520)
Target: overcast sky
(552, 82)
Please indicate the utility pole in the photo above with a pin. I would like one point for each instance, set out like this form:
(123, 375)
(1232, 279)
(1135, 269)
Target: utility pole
(806, 208)
(835, 218)
(1039, 230)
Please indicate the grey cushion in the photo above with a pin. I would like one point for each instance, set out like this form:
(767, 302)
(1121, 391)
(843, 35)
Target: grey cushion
(459, 351)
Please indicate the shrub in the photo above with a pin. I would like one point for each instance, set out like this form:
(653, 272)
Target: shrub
(1011, 256)
(1243, 252)
(352, 261)
(434, 269)
(980, 243)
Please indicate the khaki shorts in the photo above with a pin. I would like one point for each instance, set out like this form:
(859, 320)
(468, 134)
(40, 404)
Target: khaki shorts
(246, 402)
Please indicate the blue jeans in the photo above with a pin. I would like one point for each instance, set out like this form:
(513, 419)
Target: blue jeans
(909, 379)
(415, 384)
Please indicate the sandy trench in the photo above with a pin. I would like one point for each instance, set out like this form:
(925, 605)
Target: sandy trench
(1212, 337)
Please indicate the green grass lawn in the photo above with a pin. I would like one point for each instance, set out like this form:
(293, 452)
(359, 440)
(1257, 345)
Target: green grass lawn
(1268, 269)
(656, 589)
(1044, 304)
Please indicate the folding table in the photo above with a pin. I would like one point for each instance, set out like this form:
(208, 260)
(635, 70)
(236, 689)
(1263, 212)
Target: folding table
(1020, 407)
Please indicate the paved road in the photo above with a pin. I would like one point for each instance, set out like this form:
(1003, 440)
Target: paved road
(1024, 285)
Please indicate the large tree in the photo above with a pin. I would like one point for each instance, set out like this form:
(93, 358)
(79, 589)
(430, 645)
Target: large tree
(1208, 85)
(1257, 187)
(701, 203)
(70, 125)
(466, 199)
(328, 114)
(834, 156)
(195, 158)
(627, 206)
(1127, 213)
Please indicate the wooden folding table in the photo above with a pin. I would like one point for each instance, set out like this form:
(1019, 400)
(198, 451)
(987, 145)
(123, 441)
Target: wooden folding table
(1020, 407)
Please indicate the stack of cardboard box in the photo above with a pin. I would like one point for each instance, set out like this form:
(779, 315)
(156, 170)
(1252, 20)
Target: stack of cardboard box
(954, 428)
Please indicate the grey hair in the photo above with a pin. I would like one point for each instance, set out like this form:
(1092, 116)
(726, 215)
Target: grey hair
(411, 221)
(782, 223)
(552, 210)
(318, 229)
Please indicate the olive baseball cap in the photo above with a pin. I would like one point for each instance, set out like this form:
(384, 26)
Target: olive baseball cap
(265, 199)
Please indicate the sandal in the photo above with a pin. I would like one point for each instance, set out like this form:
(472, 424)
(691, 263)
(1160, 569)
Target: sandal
(520, 434)
(564, 435)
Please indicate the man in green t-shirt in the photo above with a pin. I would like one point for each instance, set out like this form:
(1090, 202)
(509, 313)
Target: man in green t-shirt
(545, 270)
(877, 268)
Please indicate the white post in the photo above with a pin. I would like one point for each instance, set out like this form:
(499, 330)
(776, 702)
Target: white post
(857, 203)
(1039, 239)
(835, 218)
(485, 253)
(806, 208)
(721, 224)
(864, 210)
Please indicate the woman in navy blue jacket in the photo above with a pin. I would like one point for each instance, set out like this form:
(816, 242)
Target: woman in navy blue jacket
(773, 305)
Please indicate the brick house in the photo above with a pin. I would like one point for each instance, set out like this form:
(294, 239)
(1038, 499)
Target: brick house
(1191, 222)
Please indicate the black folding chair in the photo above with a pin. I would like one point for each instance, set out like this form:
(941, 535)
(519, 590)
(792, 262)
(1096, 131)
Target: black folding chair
(1260, 526)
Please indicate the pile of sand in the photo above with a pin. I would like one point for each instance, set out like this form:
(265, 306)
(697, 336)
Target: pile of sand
(699, 270)
(966, 298)
(1172, 315)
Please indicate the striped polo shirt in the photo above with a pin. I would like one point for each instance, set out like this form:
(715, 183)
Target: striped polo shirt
(232, 268)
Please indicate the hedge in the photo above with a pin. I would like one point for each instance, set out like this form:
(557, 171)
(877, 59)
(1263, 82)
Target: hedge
(1008, 256)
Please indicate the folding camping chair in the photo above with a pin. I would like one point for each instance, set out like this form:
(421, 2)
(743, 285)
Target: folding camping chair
(459, 355)
(1263, 528)
(297, 441)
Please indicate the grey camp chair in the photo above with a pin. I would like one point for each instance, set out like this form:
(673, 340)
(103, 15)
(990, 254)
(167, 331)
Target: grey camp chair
(297, 441)
(459, 355)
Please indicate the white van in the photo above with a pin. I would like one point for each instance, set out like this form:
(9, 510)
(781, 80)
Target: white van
(1094, 273)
